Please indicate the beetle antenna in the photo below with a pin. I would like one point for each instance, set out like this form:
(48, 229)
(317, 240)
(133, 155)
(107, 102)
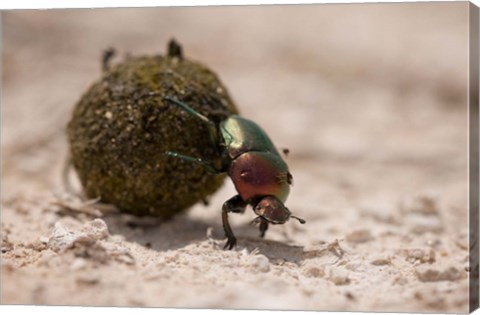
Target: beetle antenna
(107, 56)
(302, 221)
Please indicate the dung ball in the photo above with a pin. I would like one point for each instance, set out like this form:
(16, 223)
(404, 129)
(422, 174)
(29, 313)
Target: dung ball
(122, 127)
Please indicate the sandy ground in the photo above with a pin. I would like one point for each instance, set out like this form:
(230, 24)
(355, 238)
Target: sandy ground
(371, 102)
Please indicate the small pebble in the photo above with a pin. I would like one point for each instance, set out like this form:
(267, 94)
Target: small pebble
(77, 264)
(63, 238)
(89, 279)
(421, 224)
(124, 257)
(36, 245)
(339, 277)
(425, 204)
(356, 266)
(381, 213)
(381, 261)
(359, 236)
(47, 258)
(6, 244)
(432, 274)
(422, 255)
(350, 296)
(260, 263)
(314, 272)
(400, 280)
(108, 115)
(96, 229)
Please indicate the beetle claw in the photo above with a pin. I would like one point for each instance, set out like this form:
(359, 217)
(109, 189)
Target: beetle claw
(231, 243)
(263, 227)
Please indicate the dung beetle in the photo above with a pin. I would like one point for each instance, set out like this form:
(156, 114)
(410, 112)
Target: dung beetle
(260, 175)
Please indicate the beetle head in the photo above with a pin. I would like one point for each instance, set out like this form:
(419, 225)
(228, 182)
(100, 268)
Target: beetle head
(274, 211)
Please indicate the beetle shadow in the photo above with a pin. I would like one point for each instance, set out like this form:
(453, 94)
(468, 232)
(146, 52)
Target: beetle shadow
(181, 230)
(159, 234)
(277, 252)
(169, 234)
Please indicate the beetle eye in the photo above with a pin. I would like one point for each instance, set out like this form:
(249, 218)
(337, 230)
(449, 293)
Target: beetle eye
(259, 210)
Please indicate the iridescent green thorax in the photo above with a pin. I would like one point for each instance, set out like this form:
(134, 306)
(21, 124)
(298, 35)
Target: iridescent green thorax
(242, 135)
(256, 168)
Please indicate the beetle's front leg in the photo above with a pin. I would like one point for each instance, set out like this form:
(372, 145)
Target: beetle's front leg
(236, 205)
(263, 227)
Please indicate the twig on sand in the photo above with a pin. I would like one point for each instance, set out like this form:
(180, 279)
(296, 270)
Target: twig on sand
(91, 207)
(336, 249)
(333, 247)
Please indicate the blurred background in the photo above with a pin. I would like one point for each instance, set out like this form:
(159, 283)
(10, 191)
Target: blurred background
(369, 98)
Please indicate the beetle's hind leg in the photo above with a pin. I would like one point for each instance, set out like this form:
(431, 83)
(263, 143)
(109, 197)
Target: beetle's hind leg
(212, 129)
(107, 56)
(263, 227)
(235, 205)
(209, 167)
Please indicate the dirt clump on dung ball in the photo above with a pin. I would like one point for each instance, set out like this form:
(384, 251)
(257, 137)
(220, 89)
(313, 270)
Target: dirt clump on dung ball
(122, 127)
